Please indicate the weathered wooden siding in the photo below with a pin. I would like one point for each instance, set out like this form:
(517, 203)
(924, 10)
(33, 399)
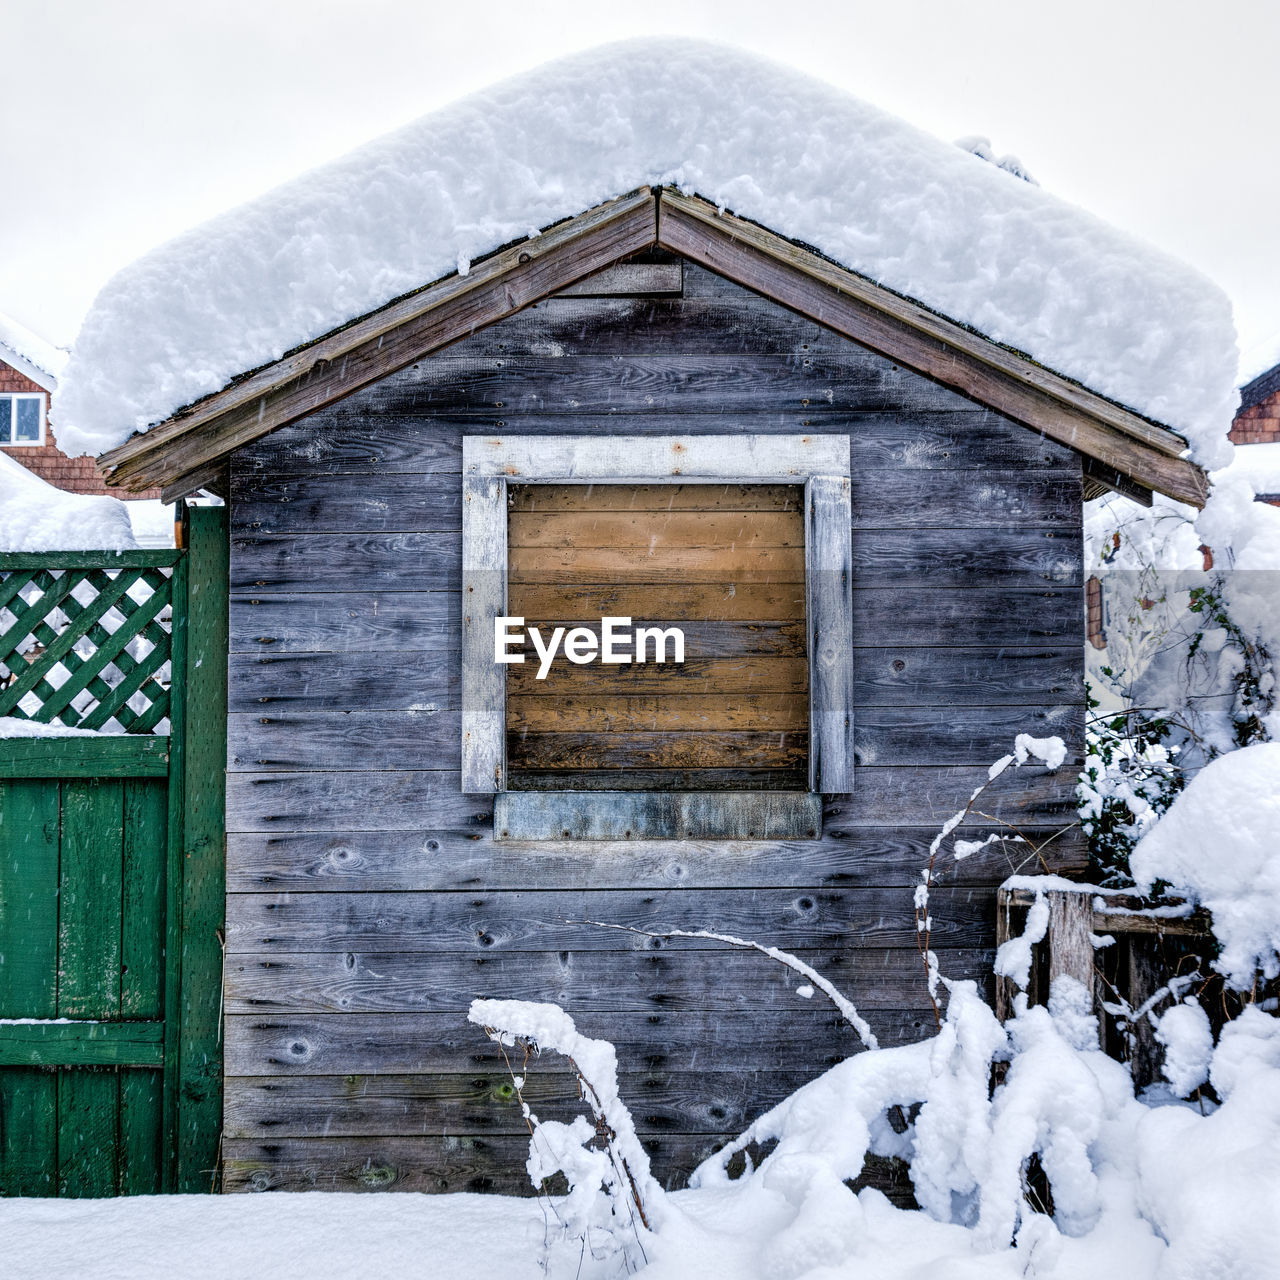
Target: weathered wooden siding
(368, 901)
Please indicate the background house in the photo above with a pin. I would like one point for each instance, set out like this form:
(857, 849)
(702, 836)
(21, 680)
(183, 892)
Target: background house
(29, 369)
(1257, 428)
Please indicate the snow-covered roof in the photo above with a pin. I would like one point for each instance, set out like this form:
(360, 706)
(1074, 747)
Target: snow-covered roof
(916, 214)
(1260, 387)
(29, 353)
(34, 516)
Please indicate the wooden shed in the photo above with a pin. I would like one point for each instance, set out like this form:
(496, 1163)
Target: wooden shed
(864, 518)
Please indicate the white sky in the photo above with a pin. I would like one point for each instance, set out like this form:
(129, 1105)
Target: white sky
(126, 121)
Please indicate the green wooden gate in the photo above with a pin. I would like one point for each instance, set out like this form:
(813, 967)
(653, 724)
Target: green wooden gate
(112, 868)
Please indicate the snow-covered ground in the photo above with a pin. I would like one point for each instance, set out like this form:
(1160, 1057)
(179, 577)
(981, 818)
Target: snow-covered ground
(925, 217)
(1182, 1183)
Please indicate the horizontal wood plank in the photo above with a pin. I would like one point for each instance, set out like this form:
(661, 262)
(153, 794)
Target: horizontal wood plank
(344, 740)
(412, 1043)
(357, 861)
(902, 676)
(431, 562)
(820, 384)
(427, 680)
(656, 533)
(400, 680)
(553, 501)
(335, 561)
(428, 801)
(570, 565)
(693, 804)
(492, 1164)
(748, 675)
(399, 503)
(773, 780)
(603, 981)
(668, 713)
(90, 756)
(380, 432)
(626, 458)
(964, 558)
(81, 1044)
(391, 1105)
(692, 748)
(950, 735)
(344, 622)
(484, 923)
(744, 600)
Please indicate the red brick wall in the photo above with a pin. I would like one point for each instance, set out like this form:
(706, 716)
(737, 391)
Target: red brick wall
(75, 475)
(1258, 424)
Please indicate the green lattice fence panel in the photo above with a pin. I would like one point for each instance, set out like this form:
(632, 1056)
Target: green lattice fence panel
(112, 849)
(85, 639)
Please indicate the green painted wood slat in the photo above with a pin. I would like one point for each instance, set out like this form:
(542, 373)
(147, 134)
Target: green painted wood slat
(102, 756)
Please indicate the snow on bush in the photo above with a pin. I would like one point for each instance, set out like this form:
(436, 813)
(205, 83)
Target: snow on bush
(611, 1190)
(908, 210)
(34, 516)
(1140, 1191)
(1187, 1038)
(1219, 846)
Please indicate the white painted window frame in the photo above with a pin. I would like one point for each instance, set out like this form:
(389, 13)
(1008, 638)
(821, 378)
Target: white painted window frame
(14, 442)
(819, 462)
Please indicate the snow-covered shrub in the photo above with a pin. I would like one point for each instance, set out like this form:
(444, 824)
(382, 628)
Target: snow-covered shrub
(1130, 777)
(1188, 1047)
(1188, 673)
(612, 1199)
(1219, 846)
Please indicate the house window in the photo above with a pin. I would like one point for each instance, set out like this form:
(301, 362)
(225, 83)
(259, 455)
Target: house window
(21, 419)
(721, 566)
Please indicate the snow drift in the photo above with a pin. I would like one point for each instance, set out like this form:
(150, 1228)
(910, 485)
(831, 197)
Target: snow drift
(35, 516)
(914, 213)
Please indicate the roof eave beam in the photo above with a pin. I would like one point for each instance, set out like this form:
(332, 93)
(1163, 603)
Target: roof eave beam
(930, 344)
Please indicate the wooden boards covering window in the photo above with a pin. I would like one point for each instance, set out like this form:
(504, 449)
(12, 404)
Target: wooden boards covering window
(724, 563)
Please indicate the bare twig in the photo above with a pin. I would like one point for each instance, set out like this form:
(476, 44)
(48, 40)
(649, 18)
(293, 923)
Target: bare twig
(842, 1002)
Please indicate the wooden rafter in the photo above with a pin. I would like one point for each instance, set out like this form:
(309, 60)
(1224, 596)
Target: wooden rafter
(930, 344)
(180, 453)
(190, 449)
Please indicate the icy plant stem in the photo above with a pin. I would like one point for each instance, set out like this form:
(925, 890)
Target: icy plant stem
(842, 1002)
(1048, 750)
(545, 1026)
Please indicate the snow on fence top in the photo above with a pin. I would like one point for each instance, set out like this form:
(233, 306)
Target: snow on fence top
(918, 215)
(35, 516)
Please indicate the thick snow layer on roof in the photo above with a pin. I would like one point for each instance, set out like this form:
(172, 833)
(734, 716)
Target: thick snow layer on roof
(906, 209)
(34, 516)
(20, 347)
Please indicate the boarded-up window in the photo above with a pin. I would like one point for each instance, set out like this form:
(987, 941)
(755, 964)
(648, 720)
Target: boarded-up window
(725, 563)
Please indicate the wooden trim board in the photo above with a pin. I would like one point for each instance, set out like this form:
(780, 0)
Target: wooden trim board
(821, 462)
(657, 815)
